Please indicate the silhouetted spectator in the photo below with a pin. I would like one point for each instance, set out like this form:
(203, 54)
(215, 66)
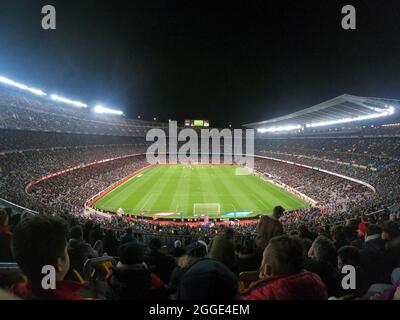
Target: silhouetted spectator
(79, 251)
(160, 263)
(127, 237)
(323, 261)
(207, 279)
(269, 227)
(222, 248)
(47, 246)
(110, 243)
(194, 251)
(131, 279)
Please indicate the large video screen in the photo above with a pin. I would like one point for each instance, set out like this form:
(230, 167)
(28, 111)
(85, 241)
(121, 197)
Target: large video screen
(197, 123)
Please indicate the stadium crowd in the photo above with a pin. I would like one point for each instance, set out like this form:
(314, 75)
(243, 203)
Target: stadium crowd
(272, 264)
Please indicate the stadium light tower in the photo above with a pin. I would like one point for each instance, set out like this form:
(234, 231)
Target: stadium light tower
(104, 110)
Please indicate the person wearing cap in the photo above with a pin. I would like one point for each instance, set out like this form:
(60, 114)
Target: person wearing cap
(131, 279)
(178, 251)
(195, 251)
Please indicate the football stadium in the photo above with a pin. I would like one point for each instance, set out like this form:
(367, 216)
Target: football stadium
(113, 187)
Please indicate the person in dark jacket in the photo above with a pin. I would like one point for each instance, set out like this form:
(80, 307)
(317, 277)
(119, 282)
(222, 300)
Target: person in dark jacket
(195, 251)
(222, 248)
(282, 276)
(131, 279)
(391, 236)
(110, 243)
(351, 256)
(160, 263)
(269, 227)
(339, 237)
(323, 261)
(373, 254)
(127, 237)
(246, 258)
(79, 251)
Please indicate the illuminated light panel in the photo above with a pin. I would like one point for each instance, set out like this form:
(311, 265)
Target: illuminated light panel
(68, 101)
(278, 129)
(384, 113)
(21, 86)
(101, 109)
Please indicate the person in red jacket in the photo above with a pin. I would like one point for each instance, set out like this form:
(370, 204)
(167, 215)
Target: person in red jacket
(282, 276)
(41, 241)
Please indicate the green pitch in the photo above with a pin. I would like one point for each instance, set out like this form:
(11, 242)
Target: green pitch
(169, 190)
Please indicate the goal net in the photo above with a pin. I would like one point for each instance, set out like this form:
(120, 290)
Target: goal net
(206, 208)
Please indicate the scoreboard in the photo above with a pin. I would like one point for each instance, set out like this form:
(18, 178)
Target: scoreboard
(197, 123)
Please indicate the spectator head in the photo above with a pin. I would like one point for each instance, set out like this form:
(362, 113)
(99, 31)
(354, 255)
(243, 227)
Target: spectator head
(155, 244)
(283, 255)
(323, 250)
(3, 218)
(39, 241)
(349, 233)
(131, 253)
(307, 243)
(229, 233)
(248, 247)
(278, 212)
(76, 233)
(372, 229)
(14, 220)
(338, 234)
(177, 244)
(390, 230)
(207, 279)
(197, 249)
(348, 255)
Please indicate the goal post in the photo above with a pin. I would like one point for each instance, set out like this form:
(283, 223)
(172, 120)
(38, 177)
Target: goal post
(206, 208)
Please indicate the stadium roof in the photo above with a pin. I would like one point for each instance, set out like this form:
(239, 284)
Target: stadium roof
(342, 109)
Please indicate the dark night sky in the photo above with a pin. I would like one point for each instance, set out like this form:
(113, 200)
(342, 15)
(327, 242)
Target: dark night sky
(230, 62)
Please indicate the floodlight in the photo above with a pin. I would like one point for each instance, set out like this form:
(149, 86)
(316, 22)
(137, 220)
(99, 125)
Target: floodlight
(383, 113)
(101, 109)
(279, 129)
(68, 101)
(21, 86)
